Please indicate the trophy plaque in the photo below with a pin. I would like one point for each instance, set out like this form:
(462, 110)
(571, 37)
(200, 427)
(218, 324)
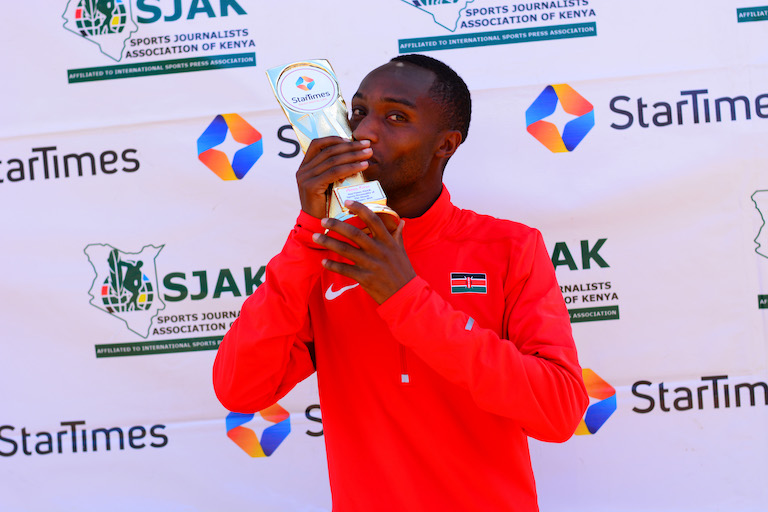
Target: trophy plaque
(309, 94)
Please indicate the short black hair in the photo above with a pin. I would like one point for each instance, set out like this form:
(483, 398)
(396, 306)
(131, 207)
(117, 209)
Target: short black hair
(448, 90)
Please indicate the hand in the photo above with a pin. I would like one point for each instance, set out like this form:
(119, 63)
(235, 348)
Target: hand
(328, 159)
(380, 263)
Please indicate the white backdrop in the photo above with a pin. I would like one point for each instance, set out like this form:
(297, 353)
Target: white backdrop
(655, 221)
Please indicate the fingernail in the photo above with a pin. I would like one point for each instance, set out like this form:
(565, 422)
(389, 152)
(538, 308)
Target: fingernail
(324, 223)
(315, 237)
(348, 203)
(367, 151)
(365, 142)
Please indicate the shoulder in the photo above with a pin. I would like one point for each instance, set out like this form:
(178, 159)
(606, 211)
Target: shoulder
(514, 249)
(471, 225)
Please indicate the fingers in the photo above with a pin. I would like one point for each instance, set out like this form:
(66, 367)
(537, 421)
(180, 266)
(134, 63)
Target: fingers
(318, 145)
(378, 262)
(328, 160)
(354, 248)
(378, 231)
(345, 269)
(339, 156)
(375, 224)
(358, 247)
(335, 169)
(323, 143)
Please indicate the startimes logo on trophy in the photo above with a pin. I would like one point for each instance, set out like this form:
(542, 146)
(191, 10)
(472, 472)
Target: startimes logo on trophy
(308, 92)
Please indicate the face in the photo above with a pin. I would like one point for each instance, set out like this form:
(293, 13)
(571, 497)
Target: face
(393, 109)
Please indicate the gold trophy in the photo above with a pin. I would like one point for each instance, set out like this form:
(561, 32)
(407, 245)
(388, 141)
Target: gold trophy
(309, 94)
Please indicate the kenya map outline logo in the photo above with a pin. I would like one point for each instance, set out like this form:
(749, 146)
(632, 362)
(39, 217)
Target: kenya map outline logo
(126, 285)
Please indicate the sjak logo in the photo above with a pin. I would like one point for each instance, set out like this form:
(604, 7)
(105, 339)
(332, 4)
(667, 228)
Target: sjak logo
(110, 24)
(446, 13)
(126, 285)
(599, 412)
(271, 437)
(542, 112)
(106, 23)
(249, 147)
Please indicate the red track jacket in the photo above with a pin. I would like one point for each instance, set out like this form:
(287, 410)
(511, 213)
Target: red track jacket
(427, 400)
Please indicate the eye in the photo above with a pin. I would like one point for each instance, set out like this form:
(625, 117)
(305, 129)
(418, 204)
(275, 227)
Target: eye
(398, 118)
(358, 111)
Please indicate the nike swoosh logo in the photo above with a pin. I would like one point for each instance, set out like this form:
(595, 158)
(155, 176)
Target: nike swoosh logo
(331, 294)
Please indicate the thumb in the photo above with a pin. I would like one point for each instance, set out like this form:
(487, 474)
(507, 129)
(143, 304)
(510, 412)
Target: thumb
(397, 234)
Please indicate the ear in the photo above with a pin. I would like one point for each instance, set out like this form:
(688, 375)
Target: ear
(448, 144)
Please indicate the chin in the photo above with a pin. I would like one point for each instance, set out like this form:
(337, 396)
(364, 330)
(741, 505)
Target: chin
(371, 174)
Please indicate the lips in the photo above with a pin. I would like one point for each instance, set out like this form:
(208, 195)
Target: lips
(372, 160)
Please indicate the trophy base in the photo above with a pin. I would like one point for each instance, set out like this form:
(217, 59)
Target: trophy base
(388, 216)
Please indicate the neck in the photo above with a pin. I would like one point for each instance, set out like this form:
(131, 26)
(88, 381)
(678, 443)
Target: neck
(415, 203)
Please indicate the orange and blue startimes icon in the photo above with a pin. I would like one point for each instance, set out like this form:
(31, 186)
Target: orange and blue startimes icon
(572, 103)
(243, 159)
(271, 437)
(599, 412)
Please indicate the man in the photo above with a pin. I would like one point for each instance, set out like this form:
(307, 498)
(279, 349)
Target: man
(438, 348)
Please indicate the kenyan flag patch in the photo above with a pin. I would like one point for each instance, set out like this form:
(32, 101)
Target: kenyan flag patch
(466, 282)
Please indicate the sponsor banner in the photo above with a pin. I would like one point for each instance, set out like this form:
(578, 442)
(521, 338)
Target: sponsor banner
(140, 213)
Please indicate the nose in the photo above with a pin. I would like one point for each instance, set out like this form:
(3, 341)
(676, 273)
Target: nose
(365, 129)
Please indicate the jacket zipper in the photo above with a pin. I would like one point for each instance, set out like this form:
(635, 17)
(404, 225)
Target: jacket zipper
(405, 378)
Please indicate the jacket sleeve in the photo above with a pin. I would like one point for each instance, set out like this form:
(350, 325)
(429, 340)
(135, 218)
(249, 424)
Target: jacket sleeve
(531, 374)
(268, 349)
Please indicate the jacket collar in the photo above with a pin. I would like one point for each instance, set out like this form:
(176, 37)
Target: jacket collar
(423, 231)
